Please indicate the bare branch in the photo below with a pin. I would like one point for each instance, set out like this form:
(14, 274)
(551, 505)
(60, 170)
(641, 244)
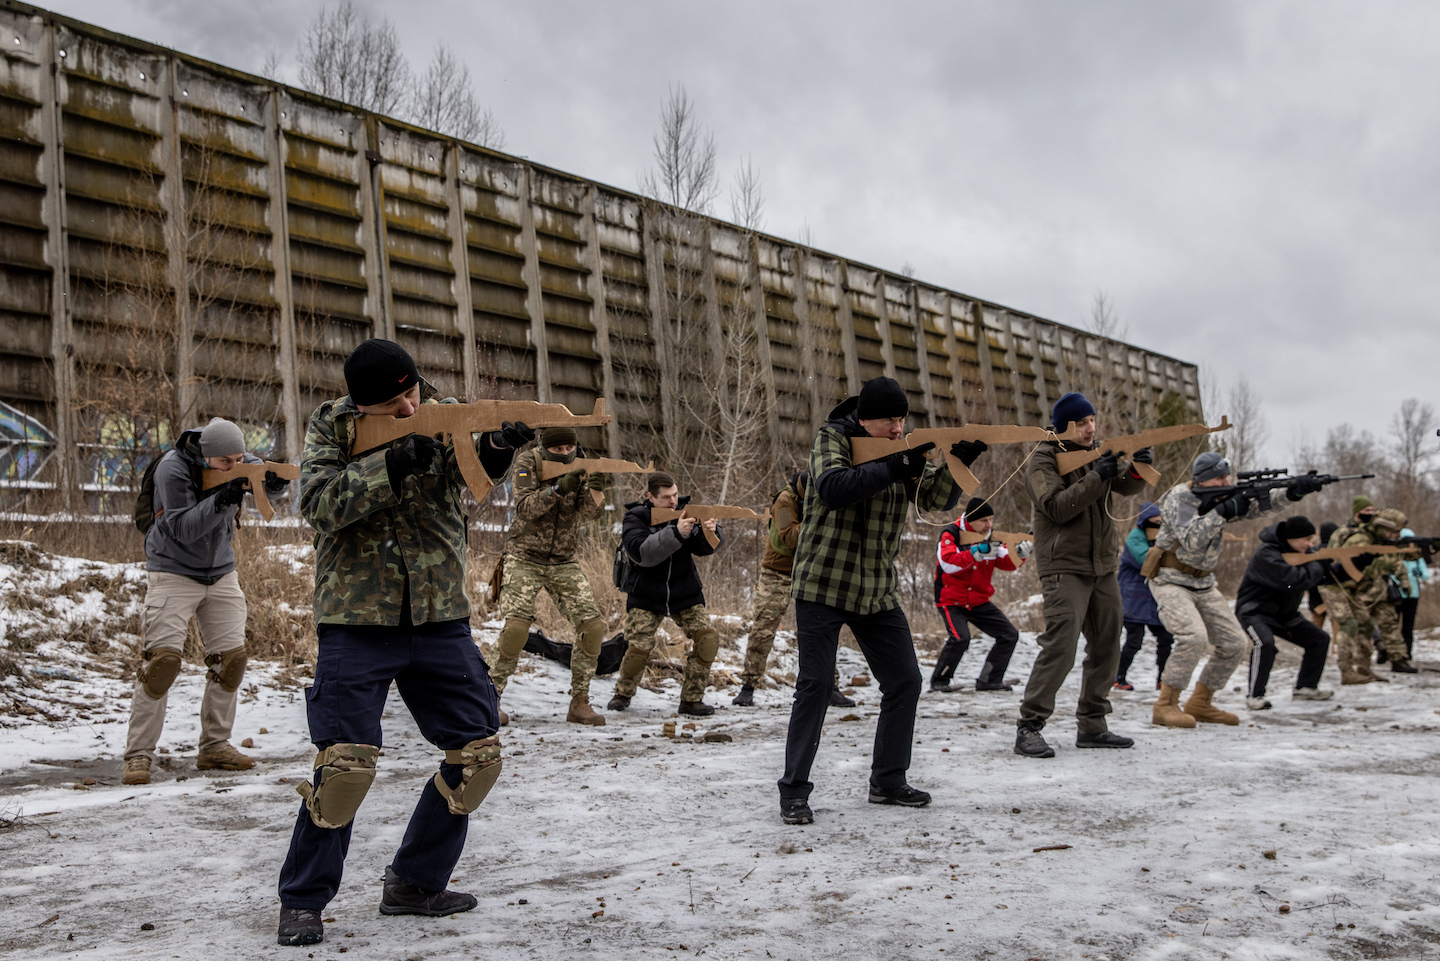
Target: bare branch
(684, 174)
(444, 100)
(344, 56)
(747, 199)
(1104, 320)
(271, 69)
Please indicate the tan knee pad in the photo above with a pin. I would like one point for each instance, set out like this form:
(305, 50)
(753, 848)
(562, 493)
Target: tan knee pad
(633, 663)
(707, 644)
(514, 635)
(346, 773)
(227, 669)
(159, 670)
(592, 635)
(480, 763)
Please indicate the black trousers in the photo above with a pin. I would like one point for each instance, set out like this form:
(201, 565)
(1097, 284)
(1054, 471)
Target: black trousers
(1298, 631)
(989, 619)
(1135, 639)
(889, 649)
(1407, 624)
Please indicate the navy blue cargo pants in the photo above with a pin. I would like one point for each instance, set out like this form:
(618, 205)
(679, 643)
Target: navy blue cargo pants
(446, 685)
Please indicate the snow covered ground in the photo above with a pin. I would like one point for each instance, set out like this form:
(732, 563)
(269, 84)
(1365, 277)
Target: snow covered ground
(1307, 832)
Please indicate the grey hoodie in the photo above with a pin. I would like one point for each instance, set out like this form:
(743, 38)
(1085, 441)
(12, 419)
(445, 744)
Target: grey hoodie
(190, 535)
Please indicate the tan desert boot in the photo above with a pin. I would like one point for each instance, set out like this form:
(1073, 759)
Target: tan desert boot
(1167, 709)
(137, 770)
(1354, 677)
(582, 713)
(224, 757)
(1200, 708)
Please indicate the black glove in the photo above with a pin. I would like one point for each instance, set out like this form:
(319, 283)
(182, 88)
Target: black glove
(1108, 466)
(1302, 485)
(598, 482)
(1144, 455)
(570, 483)
(968, 451)
(1233, 507)
(909, 464)
(513, 436)
(414, 455)
(230, 494)
(274, 483)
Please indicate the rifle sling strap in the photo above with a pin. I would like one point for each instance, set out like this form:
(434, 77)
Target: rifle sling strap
(1168, 559)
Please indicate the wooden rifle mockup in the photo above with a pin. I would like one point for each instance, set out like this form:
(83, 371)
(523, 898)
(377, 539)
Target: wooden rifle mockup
(551, 469)
(866, 449)
(254, 476)
(1345, 555)
(450, 422)
(705, 512)
(1068, 461)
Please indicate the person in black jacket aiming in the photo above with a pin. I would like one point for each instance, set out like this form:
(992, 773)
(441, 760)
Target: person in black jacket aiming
(668, 586)
(1268, 606)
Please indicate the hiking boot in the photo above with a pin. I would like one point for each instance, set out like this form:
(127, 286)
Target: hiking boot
(1199, 707)
(1355, 677)
(696, 708)
(1029, 742)
(1103, 739)
(1402, 665)
(1311, 694)
(1166, 711)
(618, 703)
(904, 795)
(582, 713)
(1367, 671)
(401, 897)
(137, 770)
(942, 687)
(746, 697)
(992, 686)
(1124, 685)
(840, 700)
(224, 757)
(1381, 655)
(300, 926)
(796, 810)
(1257, 704)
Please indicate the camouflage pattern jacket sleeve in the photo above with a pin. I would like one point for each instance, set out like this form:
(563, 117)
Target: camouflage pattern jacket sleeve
(546, 526)
(1197, 538)
(1372, 566)
(373, 541)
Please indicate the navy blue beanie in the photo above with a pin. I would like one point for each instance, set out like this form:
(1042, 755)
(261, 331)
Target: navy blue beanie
(1070, 407)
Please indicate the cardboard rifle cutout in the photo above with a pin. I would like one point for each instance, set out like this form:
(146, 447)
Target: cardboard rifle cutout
(866, 449)
(1345, 555)
(966, 538)
(453, 421)
(1067, 461)
(552, 469)
(705, 512)
(254, 475)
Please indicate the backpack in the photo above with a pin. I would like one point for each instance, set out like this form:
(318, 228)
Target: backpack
(624, 572)
(145, 513)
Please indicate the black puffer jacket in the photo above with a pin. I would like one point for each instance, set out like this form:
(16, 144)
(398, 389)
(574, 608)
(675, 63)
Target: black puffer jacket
(668, 580)
(1271, 588)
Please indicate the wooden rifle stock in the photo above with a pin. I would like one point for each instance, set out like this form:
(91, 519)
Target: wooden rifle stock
(1067, 461)
(254, 475)
(705, 512)
(1345, 555)
(452, 421)
(866, 449)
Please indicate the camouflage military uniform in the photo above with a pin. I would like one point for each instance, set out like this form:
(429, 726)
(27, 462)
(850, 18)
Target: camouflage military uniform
(640, 628)
(772, 590)
(1357, 608)
(540, 550)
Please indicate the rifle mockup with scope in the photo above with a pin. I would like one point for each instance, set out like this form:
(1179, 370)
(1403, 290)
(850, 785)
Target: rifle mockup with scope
(1257, 484)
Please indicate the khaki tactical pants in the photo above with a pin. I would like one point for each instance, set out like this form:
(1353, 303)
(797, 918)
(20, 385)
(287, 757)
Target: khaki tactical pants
(640, 628)
(772, 600)
(170, 601)
(1076, 604)
(521, 584)
(1199, 619)
(1355, 615)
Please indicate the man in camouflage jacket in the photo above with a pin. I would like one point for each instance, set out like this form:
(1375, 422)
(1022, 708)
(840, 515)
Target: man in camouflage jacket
(1358, 607)
(844, 574)
(390, 605)
(540, 549)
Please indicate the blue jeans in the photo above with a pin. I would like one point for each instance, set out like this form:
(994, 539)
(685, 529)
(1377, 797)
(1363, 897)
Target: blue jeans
(446, 685)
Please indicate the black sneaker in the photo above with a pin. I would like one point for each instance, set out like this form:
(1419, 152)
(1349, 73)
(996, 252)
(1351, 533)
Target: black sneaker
(746, 697)
(696, 708)
(618, 703)
(904, 795)
(942, 687)
(1103, 739)
(300, 926)
(1029, 743)
(840, 700)
(400, 897)
(992, 686)
(796, 810)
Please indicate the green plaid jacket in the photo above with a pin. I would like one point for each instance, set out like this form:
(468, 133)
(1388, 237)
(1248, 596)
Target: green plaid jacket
(845, 557)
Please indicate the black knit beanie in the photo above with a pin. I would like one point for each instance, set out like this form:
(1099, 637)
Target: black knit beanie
(978, 509)
(379, 370)
(882, 397)
(1293, 527)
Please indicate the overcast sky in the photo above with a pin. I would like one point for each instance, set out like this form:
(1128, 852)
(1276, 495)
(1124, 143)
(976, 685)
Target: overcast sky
(1254, 185)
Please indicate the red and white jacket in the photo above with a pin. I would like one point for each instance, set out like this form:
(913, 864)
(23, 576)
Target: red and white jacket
(962, 578)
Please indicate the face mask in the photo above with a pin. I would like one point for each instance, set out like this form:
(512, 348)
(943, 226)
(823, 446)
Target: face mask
(564, 459)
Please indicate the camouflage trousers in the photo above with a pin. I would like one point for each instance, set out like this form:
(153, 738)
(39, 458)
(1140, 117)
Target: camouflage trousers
(640, 628)
(1199, 619)
(1356, 615)
(772, 600)
(520, 585)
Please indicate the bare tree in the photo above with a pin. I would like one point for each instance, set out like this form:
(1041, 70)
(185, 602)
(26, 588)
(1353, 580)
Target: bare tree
(806, 236)
(1410, 430)
(747, 199)
(344, 56)
(684, 174)
(445, 100)
(908, 271)
(1244, 443)
(272, 69)
(1104, 320)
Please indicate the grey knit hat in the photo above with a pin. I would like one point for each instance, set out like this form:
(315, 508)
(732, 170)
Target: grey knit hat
(1208, 465)
(221, 437)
